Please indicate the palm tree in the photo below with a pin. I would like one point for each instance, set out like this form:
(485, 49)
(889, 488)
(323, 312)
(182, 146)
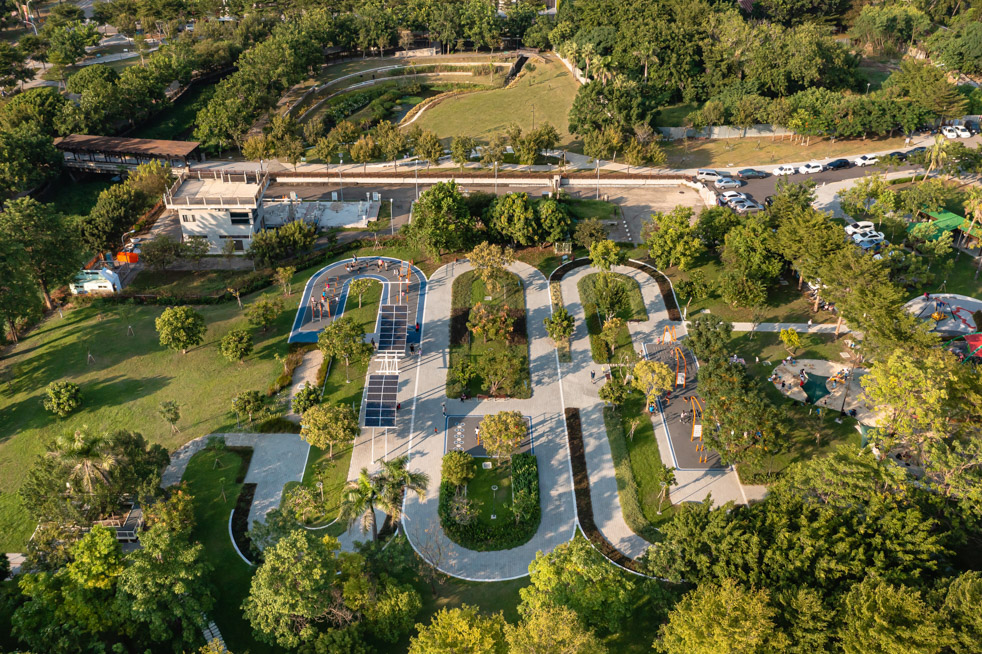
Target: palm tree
(88, 457)
(362, 497)
(937, 156)
(396, 478)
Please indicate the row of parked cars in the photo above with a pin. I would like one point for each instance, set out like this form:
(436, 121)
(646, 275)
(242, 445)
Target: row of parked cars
(864, 234)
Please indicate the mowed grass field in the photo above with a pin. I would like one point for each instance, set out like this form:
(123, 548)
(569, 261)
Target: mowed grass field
(769, 150)
(549, 88)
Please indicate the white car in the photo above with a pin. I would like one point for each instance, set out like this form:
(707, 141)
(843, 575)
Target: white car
(785, 170)
(812, 167)
(731, 196)
(864, 160)
(868, 239)
(728, 182)
(955, 132)
(861, 226)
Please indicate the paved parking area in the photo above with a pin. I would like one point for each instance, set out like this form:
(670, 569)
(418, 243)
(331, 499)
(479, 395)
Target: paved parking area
(637, 205)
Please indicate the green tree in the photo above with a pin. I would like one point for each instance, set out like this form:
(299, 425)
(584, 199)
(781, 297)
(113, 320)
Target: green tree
(457, 468)
(30, 158)
(429, 148)
(89, 458)
(306, 397)
(614, 392)
(460, 150)
(672, 240)
(653, 378)
(576, 576)
(611, 293)
(714, 224)
(396, 478)
(284, 277)
(327, 425)
(160, 251)
(391, 141)
(790, 339)
(959, 611)
(194, 249)
(62, 398)
(18, 291)
(604, 255)
(552, 629)
(441, 221)
(248, 403)
(490, 260)
(360, 286)
(750, 248)
(343, 339)
(610, 333)
(181, 328)
(170, 411)
(499, 368)
(502, 433)
(264, 311)
(709, 336)
(294, 589)
(236, 345)
(462, 631)
(721, 618)
(52, 246)
(513, 217)
(881, 618)
(494, 152)
(164, 590)
(554, 221)
(560, 326)
(67, 42)
(589, 231)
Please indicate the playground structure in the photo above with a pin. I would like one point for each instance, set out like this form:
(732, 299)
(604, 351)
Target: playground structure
(822, 384)
(973, 346)
(951, 314)
(695, 436)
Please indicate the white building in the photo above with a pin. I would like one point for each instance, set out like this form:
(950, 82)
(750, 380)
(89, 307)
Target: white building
(219, 206)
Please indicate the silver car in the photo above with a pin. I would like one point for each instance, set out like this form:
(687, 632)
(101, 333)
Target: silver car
(728, 182)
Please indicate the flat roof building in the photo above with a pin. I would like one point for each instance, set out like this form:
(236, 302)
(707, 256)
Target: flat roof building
(219, 206)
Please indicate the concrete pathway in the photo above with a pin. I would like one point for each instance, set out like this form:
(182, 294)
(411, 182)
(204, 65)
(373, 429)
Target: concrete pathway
(420, 433)
(276, 459)
(800, 327)
(305, 373)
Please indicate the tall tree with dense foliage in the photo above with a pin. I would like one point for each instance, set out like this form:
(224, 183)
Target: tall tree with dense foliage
(362, 497)
(672, 240)
(462, 631)
(344, 340)
(441, 221)
(180, 328)
(606, 254)
(513, 217)
(887, 619)
(552, 629)
(502, 433)
(327, 425)
(490, 260)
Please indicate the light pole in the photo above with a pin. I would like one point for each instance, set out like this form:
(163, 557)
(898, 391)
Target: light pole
(598, 179)
(320, 487)
(341, 179)
(392, 217)
(496, 178)
(867, 87)
(416, 170)
(122, 240)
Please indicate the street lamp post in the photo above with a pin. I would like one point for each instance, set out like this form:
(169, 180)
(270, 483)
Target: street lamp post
(392, 217)
(598, 179)
(496, 178)
(416, 170)
(122, 240)
(867, 87)
(341, 179)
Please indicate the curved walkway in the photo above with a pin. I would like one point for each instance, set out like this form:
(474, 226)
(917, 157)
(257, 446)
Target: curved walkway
(425, 442)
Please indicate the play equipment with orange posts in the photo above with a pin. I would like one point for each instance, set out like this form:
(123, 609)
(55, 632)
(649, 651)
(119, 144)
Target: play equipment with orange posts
(668, 334)
(695, 406)
(681, 367)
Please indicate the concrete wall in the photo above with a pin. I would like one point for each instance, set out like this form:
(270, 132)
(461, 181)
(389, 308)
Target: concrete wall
(724, 132)
(212, 224)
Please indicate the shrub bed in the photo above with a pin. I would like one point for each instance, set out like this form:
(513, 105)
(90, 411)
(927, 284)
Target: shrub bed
(503, 535)
(627, 486)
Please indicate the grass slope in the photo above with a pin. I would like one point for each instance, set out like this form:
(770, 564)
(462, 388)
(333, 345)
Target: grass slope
(549, 88)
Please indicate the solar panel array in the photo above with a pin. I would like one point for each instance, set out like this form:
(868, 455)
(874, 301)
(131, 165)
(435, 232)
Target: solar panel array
(380, 401)
(393, 327)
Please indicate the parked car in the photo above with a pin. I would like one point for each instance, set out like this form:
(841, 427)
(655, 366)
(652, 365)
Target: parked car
(745, 206)
(898, 155)
(785, 170)
(727, 182)
(836, 164)
(727, 197)
(864, 160)
(751, 173)
(861, 226)
(916, 151)
(872, 243)
(971, 126)
(870, 238)
(812, 167)
(708, 175)
(955, 132)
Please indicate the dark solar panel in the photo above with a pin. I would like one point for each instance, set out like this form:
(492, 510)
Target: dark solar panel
(393, 327)
(380, 400)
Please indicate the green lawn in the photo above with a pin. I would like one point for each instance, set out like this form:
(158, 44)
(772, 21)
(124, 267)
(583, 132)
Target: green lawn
(634, 309)
(762, 151)
(177, 120)
(674, 115)
(75, 198)
(785, 303)
(802, 419)
(468, 290)
(230, 575)
(962, 279)
(549, 88)
(582, 209)
(333, 473)
(187, 282)
(491, 501)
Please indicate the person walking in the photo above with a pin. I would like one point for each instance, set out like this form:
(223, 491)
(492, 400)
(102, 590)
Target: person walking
(593, 376)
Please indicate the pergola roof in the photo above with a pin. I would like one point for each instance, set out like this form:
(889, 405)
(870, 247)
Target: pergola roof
(125, 146)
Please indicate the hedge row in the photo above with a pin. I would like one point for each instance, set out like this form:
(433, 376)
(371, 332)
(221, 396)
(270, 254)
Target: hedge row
(503, 535)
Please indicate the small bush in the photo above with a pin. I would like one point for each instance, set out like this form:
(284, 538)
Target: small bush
(305, 398)
(62, 398)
